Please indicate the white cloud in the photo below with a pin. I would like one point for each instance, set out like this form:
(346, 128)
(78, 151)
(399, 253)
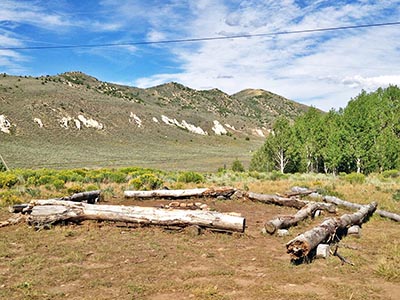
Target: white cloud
(312, 68)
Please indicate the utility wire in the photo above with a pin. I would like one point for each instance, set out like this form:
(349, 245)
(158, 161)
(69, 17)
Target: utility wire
(188, 40)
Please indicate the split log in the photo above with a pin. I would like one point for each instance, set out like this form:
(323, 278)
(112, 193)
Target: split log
(351, 205)
(284, 222)
(44, 212)
(225, 192)
(301, 246)
(276, 200)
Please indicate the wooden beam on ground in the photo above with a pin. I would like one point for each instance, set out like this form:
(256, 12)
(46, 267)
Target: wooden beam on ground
(226, 192)
(44, 212)
(284, 222)
(300, 246)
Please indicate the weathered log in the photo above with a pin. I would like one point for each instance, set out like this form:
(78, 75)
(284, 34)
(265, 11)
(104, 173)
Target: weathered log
(91, 197)
(351, 205)
(276, 200)
(182, 194)
(284, 222)
(301, 246)
(300, 193)
(44, 212)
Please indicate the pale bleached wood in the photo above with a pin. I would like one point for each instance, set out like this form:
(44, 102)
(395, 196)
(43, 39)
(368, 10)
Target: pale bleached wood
(276, 200)
(300, 246)
(182, 194)
(284, 222)
(44, 212)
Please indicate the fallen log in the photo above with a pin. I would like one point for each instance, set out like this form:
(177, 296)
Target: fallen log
(225, 192)
(91, 197)
(284, 222)
(300, 193)
(13, 220)
(276, 200)
(347, 204)
(351, 205)
(45, 212)
(300, 246)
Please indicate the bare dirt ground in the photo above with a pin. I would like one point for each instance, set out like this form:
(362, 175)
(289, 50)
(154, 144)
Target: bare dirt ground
(110, 261)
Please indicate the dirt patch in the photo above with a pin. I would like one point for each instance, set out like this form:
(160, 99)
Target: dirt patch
(106, 261)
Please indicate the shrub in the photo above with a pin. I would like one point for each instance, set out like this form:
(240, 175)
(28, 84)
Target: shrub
(8, 179)
(76, 188)
(355, 178)
(237, 166)
(390, 174)
(9, 198)
(46, 179)
(188, 177)
(58, 184)
(275, 175)
(146, 182)
(396, 195)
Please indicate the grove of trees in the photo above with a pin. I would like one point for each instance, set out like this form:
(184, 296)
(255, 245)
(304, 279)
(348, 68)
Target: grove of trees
(364, 137)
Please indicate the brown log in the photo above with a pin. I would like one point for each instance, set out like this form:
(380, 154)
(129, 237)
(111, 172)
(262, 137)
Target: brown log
(90, 197)
(284, 222)
(276, 200)
(182, 194)
(351, 205)
(44, 212)
(301, 246)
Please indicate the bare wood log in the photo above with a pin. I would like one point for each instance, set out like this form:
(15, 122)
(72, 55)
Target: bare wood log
(276, 200)
(300, 193)
(284, 222)
(351, 205)
(91, 197)
(52, 211)
(182, 194)
(301, 246)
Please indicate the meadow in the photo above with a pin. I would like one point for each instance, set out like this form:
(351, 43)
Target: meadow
(107, 260)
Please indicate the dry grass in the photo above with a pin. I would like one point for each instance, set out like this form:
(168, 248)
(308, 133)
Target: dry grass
(105, 261)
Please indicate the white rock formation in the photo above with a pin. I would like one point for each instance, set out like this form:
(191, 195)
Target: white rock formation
(184, 125)
(5, 124)
(39, 122)
(90, 123)
(155, 120)
(218, 128)
(133, 118)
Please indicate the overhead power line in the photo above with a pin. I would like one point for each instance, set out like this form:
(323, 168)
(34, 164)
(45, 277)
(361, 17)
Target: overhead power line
(188, 40)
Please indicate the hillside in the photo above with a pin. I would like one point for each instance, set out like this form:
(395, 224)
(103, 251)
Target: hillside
(73, 119)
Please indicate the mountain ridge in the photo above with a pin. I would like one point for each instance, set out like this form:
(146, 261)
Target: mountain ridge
(73, 108)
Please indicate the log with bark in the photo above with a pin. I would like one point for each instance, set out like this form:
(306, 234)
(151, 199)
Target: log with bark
(276, 200)
(301, 246)
(45, 212)
(284, 222)
(225, 192)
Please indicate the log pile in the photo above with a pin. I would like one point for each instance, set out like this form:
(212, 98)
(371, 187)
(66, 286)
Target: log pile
(83, 206)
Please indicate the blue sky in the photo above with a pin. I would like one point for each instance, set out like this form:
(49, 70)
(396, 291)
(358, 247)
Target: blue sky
(320, 69)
